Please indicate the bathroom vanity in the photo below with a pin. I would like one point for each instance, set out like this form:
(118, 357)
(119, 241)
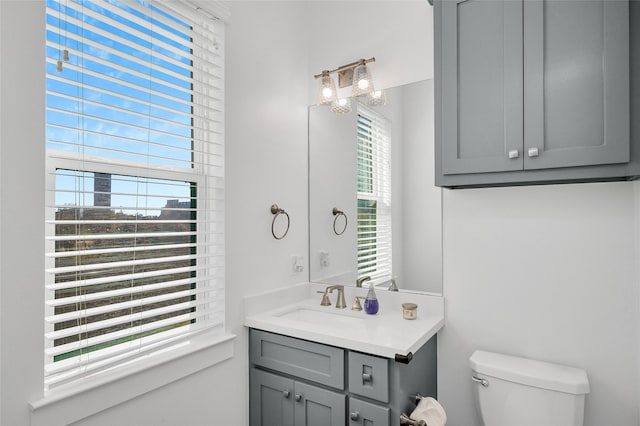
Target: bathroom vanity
(298, 382)
(318, 365)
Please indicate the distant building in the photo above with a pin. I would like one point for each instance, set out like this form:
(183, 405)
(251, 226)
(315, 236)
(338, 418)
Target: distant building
(176, 209)
(102, 189)
(177, 204)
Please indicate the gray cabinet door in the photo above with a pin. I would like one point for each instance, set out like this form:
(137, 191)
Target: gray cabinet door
(367, 414)
(482, 86)
(318, 407)
(576, 79)
(272, 398)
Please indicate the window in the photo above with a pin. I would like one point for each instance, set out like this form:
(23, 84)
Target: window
(374, 196)
(135, 186)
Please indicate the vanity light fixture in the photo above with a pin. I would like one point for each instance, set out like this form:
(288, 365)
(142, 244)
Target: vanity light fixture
(355, 74)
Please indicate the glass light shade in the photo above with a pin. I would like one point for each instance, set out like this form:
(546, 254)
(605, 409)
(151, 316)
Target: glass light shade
(377, 98)
(341, 106)
(362, 83)
(326, 90)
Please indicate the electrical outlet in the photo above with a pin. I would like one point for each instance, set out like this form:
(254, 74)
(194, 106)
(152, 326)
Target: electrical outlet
(324, 259)
(297, 263)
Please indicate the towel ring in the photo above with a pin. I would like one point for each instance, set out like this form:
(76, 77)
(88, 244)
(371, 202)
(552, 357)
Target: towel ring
(337, 213)
(277, 211)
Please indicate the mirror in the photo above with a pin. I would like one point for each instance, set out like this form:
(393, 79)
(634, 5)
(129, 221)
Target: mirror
(374, 209)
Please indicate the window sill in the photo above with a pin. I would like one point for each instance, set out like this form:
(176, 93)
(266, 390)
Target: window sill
(64, 406)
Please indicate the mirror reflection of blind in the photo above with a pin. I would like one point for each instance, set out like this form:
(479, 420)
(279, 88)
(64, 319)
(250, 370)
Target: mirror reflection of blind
(374, 195)
(135, 244)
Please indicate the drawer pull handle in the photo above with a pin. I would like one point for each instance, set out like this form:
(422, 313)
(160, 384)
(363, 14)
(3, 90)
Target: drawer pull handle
(286, 394)
(514, 154)
(298, 397)
(533, 152)
(366, 377)
(354, 416)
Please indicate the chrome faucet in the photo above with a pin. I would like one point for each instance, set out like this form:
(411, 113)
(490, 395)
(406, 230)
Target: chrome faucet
(359, 281)
(340, 303)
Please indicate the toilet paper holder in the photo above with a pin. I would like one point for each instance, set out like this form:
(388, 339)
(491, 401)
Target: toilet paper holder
(405, 420)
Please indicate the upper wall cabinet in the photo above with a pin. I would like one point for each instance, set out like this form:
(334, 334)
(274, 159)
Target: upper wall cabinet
(532, 91)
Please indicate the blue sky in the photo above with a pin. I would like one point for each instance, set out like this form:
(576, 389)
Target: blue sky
(100, 103)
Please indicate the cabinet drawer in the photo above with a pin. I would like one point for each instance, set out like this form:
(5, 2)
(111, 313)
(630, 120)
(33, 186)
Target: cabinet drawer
(312, 361)
(369, 376)
(365, 413)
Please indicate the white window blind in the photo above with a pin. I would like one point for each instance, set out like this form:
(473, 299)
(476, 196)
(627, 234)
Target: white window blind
(374, 196)
(135, 182)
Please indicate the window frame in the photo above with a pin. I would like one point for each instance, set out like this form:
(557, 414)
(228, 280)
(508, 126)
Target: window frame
(69, 404)
(379, 185)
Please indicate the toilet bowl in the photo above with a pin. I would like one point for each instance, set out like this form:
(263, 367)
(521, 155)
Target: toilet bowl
(518, 391)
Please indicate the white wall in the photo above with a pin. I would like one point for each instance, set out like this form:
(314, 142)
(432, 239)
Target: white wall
(21, 209)
(333, 183)
(546, 272)
(422, 217)
(398, 33)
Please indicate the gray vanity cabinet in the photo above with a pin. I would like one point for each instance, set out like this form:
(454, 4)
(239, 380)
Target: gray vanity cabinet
(301, 383)
(531, 91)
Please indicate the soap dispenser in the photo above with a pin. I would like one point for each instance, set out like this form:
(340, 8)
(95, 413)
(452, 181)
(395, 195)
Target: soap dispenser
(371, 301)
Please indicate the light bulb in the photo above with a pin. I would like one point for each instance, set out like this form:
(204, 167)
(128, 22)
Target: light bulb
(377, 98)
(327, 89)
(341, 106)
(362, 84)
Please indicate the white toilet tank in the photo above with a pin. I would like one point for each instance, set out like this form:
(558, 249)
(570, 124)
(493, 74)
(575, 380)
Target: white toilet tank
(517, 391)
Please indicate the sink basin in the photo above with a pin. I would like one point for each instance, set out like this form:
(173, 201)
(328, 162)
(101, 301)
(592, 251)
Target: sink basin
(322, 317)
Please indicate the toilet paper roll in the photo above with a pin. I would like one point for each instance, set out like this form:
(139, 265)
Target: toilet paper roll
(430, 410)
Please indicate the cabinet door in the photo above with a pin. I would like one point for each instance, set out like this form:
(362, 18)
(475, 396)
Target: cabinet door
(576, 74)
(271, 399)
(482, 88)
(367, 414)
(318, 407)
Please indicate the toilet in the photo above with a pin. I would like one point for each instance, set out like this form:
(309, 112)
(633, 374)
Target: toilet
(518, 391)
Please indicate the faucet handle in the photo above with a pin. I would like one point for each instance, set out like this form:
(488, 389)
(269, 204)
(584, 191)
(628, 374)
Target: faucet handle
(325, 299)
(356, 304)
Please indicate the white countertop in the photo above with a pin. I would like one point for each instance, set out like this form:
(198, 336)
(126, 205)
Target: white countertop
(385, 334)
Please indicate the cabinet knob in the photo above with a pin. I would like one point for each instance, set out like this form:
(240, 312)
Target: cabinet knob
(298, 397)
(366, 377)
(533, 152)
(514, 153)
(354, 416)
(286, 393)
